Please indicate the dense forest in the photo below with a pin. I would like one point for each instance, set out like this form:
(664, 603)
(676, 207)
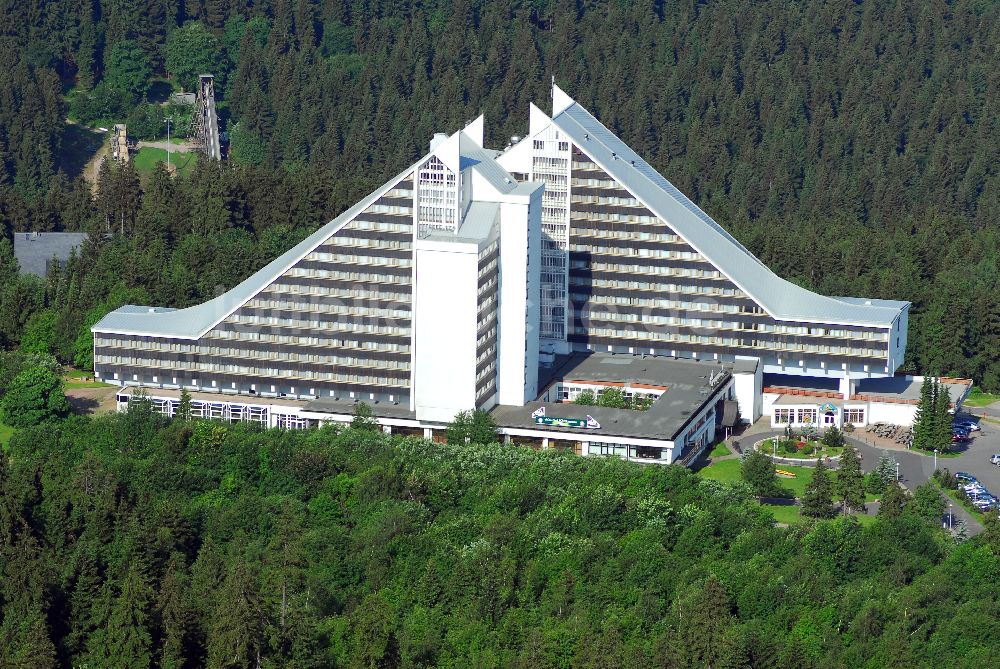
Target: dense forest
(851, 145)
(126, 541)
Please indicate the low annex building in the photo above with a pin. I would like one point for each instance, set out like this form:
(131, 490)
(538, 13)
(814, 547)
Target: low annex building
(790, 402)
(469, 278)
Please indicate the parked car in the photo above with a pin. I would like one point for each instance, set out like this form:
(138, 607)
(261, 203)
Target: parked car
(962, 477)
(995, 459)
(985, 503)
(967, 425)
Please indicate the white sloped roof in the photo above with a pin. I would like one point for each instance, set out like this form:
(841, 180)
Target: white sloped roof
(782, 299)
(194, 322)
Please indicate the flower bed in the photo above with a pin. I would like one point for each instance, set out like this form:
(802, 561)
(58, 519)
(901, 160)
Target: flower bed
(797, 449)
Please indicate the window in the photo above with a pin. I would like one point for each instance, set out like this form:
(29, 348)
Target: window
(854, 416)
(784, 416)
(806, 416)
(601, 448)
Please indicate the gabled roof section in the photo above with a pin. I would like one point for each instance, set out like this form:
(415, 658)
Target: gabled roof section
(780, 298)
(194, 322)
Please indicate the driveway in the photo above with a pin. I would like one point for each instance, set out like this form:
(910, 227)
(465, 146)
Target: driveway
(916, 468)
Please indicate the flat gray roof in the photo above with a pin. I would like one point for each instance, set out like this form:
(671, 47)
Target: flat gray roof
(687, 393)
(346, 406)
(34, 250)
(907, 388)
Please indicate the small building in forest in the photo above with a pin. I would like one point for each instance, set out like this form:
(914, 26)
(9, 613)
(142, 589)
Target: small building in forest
(36, 251)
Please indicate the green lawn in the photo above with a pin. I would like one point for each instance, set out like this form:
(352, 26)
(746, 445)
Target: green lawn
(70, 385)
(978, 398)
(729, 471)
(720, 450)
(79, 378)
(797, 484)
(147, 157)
(6, 432)
(789, 514)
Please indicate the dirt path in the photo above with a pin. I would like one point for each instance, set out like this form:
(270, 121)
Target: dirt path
(92, 400)
(93, 166)
(174, 148)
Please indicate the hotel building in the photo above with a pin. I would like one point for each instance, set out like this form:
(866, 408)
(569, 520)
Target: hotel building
(468, 280)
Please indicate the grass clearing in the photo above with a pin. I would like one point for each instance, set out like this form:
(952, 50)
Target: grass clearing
(71, 385)
(6, 432)
(80, 378)
(977, 398)
(727, 471)
(789, 514)
(730, 471)
(147, 157)
(720, 450)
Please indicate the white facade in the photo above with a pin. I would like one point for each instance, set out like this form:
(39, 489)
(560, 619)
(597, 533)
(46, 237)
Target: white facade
(748, 386)
(444, 329)
(476, 251)
(520, 245)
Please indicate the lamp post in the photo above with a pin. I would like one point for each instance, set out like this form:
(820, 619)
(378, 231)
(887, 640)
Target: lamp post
(167, 121)
(897, 471)
(935, 459)
(949, 515)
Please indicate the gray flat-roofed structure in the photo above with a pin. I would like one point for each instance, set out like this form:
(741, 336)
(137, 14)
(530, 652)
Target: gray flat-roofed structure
(36, 250)
(907, 387)
(690, 387)
(330, 405)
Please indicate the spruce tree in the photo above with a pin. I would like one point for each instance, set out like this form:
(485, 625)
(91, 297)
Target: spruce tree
(850, 480)
(943, 419)
(818, 499)
(892, 502)
(924, 416)
(885, 470)
(184, 406)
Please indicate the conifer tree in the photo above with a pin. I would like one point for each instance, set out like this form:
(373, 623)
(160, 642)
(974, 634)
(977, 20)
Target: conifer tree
(924, 418)
(184, 406)
(174, 615)
(892, 501)
(706, 612)
(817, 502)
(943, 418)
(850, 480)
(25, 641)
(239, 625)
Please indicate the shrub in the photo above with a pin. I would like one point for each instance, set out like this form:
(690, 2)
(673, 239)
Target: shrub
(34, 396)
(808, 449)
